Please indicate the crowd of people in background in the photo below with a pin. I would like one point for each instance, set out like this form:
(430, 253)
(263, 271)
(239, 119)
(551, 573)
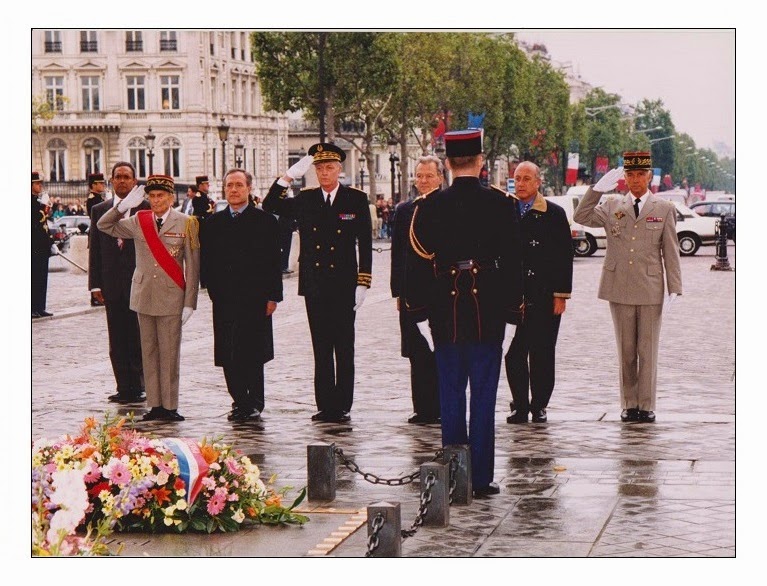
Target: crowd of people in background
(58, 209)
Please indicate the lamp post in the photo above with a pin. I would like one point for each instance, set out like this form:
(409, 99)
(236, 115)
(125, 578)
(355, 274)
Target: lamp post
(393, 158)
(654, 140)
(361, 161)
(149, 138)
(238, 150)
(642, 130)
(399, 182)
(88, 148)
(223, 134)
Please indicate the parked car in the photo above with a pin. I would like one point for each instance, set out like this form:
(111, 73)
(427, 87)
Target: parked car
(583, 245)
(715, 209)
(60, 236)
(74, 224)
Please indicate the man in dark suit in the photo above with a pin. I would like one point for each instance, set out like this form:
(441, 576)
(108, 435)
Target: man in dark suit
(111, 263)
(240, 262)
(466, 279)
(423, 368)
(333, 221)
(548, 276)
(42, 249)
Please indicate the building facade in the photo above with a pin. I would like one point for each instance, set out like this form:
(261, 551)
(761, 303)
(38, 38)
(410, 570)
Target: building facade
(111, 91)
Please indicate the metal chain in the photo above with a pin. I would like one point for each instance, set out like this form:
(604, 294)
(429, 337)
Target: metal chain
(374, 479)
(431, 479)
(378, 523)
(453, 469)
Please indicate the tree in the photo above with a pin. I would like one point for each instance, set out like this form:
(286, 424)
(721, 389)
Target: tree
(652, 114)
(606, 132)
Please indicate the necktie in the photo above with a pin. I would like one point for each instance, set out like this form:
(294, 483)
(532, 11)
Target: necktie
(235, 214)
(159, 223)
(327, 201)
(636, 208)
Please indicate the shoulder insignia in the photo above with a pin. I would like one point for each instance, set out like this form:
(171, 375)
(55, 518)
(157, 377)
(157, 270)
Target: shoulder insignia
(415, 243)
(91, 196)
(503, 191)
(192, 229)
(306, 188)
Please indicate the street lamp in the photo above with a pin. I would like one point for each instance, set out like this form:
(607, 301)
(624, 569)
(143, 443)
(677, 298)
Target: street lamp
(239, 148)
(361, 161)
(654, 140)
(149, 138)
(593, 111)
(393, 158)
(640, 131)
(223, 134)
(88, 148)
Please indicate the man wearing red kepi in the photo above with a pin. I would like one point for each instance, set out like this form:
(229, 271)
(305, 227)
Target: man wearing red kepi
(165, 285)
(641, 242)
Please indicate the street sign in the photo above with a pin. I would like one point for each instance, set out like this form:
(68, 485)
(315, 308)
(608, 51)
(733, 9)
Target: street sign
(510, 187)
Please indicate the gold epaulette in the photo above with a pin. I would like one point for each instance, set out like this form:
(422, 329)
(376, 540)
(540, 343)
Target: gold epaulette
(91, 196)
(415, 243)
(503, 191)
(193, 232)
(364, 279)
(305, 188)
(427, 194)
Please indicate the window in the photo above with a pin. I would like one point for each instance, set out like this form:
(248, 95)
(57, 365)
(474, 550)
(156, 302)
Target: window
(54, 91)
(135, 92)
(92, 148)
(168, 41)
(169, 90)
(133, 41)
(212, 42)
(88, 42)
(137, 155)
(90, 90)
(53, 41)
(57, 150)
(171, 154)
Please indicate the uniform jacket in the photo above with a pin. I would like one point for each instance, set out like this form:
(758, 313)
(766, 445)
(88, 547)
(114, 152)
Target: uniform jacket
(637, 249)
(202, 206)
(153, 292)
(328, 259)
(110, 268)
(93, 200)
(547, 251)
(240, 263)
(466, 271)
(41, 237)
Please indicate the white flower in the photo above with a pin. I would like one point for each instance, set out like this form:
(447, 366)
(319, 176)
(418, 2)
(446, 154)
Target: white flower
(238, 516)
(71, 495)
(181, 505)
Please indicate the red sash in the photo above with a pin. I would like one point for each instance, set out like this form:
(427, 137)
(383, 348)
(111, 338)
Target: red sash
(160, 253)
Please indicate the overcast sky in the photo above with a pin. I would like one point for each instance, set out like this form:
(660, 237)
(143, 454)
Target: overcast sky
(692, 71)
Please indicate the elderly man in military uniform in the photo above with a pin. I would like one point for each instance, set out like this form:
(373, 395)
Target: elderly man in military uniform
(165, 285)
(466, 279)
(641, 242)
(42, 248)
(333, 222)
(548, 273)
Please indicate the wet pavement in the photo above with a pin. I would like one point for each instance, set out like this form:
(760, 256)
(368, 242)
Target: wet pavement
(582, 485)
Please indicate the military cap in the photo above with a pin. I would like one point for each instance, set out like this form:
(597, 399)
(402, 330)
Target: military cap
(95, 178)
(463, 143)
(159, 182)
(326, 151)
(201, 179)
(637, 161)
(36, 176)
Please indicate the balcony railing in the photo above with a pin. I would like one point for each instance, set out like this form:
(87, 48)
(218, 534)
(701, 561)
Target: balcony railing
(168, 45)
(134, 45)
(89, 46)
(53, 46)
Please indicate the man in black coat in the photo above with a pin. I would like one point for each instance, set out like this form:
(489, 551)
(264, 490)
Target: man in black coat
(548, 275)
(423, 368)
(97, 187)
(333, 221)
(42, 249)
(240, 262)
(467, 281)
(202, 204)
(111, 263)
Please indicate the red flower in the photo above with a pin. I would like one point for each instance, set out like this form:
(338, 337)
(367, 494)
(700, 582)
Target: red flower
(178, 484)
(161, 495)
(94, 492)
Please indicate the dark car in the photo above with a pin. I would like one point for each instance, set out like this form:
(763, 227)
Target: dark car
(715, 209)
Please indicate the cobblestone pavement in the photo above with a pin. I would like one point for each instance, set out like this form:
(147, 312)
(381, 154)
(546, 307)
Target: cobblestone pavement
(583, 485)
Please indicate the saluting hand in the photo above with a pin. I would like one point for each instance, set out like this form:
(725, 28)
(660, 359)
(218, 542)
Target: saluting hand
(133, 199)
(609, 180)
(301, 167)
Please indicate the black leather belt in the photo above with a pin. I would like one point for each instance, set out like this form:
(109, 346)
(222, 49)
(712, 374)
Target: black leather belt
(468, 265)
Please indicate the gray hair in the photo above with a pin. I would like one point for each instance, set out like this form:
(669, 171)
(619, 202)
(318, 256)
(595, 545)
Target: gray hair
(426, 159)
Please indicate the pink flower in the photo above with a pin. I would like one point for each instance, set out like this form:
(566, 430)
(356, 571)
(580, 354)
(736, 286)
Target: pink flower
(231, 464)
(117, 472)
(216, 503)
(208, 483)
(92, 472)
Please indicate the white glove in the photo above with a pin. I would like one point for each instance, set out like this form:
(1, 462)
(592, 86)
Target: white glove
(359, 296)
(299, 169)
(54, 250)
(609, 180)
(670, 301)
(423, 327)
(134, 198)
(45, 199)
(508, 336)
(186, 313)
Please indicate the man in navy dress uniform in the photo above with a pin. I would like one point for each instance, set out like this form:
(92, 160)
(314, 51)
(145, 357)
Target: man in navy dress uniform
(465, 278)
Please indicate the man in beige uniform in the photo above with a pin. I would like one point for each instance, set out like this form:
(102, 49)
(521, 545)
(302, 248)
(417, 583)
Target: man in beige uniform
(641, 241)
(165, 285)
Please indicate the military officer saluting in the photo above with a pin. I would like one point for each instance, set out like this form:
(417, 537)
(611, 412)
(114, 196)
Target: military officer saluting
(333, 222)
(202, 204)
(97, 188)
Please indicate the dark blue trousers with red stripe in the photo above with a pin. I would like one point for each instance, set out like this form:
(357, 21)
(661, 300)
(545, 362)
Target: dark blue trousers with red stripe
(479, 365)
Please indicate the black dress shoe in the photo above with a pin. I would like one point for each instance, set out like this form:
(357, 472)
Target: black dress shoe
(172, 415)
(155, 414)
(46, 314)
(245, 415)
(491, 488)
(319, 416)
(646, 416)
(424, 419)
(336, 417)
(539, 416)
(133, 398)
(517, 417)
(630, 415)
(116, 398)
(36, 315)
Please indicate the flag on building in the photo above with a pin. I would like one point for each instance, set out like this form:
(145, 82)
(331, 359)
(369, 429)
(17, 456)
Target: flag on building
(572, 169)
(191, 463)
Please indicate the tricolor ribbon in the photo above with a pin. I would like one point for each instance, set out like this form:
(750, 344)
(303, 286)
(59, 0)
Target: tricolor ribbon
(192, 466)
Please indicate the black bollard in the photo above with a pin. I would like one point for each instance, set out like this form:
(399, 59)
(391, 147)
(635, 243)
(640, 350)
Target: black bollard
(384, 519)
(438, 511)
(462, 493)
(321, 472)
(722, 262)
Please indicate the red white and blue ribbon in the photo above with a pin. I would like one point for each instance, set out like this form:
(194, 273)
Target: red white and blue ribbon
(192, 466)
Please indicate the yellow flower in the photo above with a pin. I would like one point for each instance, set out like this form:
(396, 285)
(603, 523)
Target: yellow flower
(181, 504)
(238, 516)
(168, 521)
